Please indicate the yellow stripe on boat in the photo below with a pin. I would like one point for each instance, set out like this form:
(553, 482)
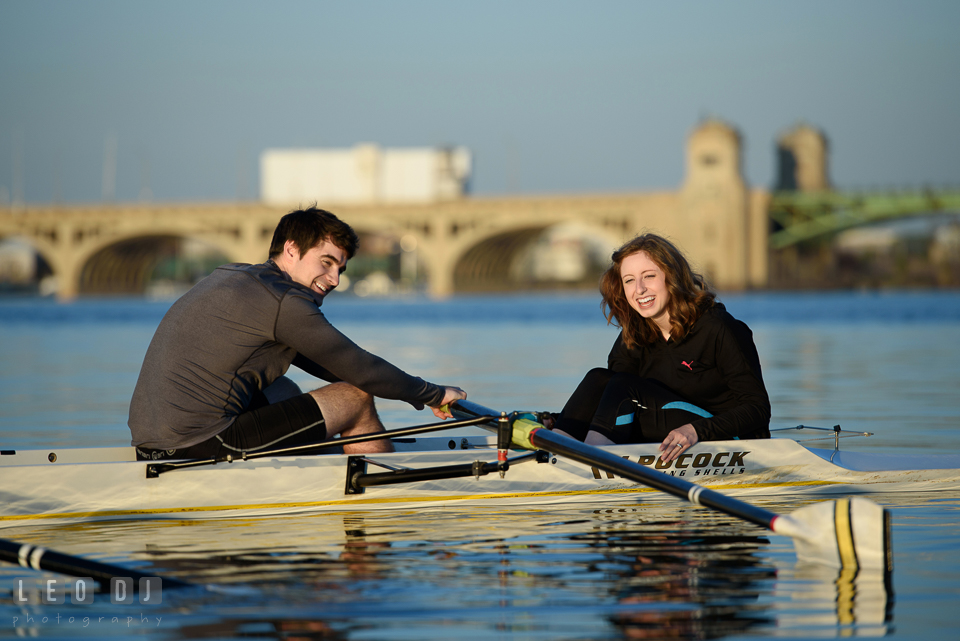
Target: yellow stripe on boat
(377, 501)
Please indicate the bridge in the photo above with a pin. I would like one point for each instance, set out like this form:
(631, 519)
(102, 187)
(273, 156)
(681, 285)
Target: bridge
(462, 245)
(802, 216)
(470, 244)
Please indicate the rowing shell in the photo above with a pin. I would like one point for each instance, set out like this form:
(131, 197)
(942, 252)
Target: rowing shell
(63, 485)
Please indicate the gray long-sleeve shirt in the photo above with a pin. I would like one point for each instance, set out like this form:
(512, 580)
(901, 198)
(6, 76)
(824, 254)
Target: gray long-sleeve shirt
(233, 334)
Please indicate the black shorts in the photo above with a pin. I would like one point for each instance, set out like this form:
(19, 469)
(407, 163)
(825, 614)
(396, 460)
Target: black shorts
(264, 425)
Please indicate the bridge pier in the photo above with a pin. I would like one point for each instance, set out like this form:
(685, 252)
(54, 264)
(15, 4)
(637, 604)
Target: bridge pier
(58, 247)
(439, 264)
(68, 281)
(252, 246)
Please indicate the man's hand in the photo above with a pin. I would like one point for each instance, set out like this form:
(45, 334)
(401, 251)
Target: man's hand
(450, 394)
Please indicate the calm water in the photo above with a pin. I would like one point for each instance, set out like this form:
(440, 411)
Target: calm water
(886, 363)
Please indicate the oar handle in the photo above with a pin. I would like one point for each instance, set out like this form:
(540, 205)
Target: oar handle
(464, 409)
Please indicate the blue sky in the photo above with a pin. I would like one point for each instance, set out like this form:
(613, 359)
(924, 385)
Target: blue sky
(550, 96)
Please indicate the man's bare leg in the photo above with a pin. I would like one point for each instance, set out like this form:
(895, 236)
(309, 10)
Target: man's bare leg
(349, 411)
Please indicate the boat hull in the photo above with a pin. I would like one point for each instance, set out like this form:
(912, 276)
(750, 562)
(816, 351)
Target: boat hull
(52, 486)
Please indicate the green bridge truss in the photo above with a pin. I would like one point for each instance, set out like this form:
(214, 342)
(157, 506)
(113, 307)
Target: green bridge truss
(803, 216)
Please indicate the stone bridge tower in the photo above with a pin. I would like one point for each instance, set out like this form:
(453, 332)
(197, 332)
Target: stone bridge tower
(714, 205)
(802, 160)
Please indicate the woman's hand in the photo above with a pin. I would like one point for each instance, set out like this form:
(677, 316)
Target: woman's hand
(677, 442)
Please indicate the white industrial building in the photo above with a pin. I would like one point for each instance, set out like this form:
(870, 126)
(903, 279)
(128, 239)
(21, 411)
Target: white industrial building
(364, 174)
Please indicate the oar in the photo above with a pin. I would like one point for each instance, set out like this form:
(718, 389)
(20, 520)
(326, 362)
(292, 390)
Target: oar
(849, 533)
(38, 558)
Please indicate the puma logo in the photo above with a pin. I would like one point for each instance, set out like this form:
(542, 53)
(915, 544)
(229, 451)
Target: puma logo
(689, 365)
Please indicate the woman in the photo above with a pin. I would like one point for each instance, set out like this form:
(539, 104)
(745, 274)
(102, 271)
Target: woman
(682, 370)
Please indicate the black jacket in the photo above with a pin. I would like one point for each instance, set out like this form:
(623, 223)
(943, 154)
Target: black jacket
(715, 366)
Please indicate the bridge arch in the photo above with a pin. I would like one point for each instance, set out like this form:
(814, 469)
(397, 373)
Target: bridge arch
(476, 246)
(493, 261)
(124, 263)
(554, 254)
(130, 265)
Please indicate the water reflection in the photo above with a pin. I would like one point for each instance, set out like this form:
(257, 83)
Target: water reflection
(263, 628)
(683, 579)
(845, 601)
(639, 571)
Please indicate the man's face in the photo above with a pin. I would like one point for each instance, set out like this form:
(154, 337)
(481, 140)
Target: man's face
(318, 269)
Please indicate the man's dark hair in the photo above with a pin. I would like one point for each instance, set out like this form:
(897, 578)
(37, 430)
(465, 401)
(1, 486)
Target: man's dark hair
(307, 228)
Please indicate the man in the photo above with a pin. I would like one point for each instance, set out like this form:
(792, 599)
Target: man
(212, 380)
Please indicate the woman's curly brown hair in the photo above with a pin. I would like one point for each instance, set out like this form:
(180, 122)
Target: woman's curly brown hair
(690, 296)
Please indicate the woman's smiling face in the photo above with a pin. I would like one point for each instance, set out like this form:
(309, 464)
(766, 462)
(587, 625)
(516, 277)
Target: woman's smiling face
(645, 286)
